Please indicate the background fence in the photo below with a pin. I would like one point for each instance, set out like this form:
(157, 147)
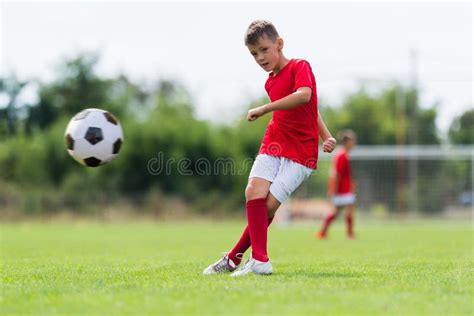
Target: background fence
(402, 179)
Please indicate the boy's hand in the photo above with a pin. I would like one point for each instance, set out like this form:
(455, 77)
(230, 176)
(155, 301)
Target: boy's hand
(329, 144)
(254, 114)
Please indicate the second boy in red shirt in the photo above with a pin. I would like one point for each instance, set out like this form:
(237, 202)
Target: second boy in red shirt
(341, 186)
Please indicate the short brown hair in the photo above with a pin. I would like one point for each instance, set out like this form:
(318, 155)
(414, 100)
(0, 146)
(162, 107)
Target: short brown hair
(259, 28)
(347, 135)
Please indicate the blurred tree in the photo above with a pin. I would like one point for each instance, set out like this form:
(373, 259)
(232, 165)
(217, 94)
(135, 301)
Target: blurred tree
(76, 88)
(10, 88)
(461, 130)
(392, 116)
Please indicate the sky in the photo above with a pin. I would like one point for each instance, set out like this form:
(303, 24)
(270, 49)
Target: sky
(201, 45)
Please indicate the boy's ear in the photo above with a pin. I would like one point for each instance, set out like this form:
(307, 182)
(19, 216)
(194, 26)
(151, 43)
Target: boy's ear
(280, 43)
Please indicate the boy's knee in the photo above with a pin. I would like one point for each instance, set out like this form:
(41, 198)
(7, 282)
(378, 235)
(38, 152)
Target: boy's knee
(253, 192)
(336, 211)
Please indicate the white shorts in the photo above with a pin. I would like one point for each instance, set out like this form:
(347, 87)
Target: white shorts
(284, 174)
(344, 199)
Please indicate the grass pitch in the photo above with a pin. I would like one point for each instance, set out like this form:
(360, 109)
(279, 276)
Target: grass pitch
(423, 268)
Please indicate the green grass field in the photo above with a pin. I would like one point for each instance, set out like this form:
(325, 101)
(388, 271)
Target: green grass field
(423, 268)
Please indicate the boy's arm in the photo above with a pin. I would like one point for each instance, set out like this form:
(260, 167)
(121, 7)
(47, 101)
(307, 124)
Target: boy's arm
(332, 184)
(334, 176)
(329, 142)
(299, 97)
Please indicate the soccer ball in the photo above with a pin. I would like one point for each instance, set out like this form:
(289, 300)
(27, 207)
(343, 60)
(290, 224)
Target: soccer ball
(93, 137)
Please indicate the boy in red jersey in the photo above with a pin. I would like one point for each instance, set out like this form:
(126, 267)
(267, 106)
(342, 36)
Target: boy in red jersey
(341, 187)
(289, 149)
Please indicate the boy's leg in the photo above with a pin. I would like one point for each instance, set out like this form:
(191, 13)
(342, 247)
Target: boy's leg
(350, 220)
(272, 205)
(329, 219)
(230, 261)
(244, 242)
(289, 177)
(264, 171)
(257, 212)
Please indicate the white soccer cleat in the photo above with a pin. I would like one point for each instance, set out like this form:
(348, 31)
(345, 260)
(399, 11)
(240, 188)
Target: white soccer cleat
(254, 266)
(223, 265)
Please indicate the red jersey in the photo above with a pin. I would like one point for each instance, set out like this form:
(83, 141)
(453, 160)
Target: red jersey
(293, 133)
(341, 168)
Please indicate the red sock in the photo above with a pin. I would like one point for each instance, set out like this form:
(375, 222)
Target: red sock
(258, 228)
(327, 222)
(243, 244)
(349, 221)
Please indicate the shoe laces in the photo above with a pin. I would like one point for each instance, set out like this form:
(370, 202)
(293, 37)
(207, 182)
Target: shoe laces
(223, 264)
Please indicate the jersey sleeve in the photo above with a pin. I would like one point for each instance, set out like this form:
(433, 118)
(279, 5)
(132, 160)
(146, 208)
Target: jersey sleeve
(302, 72)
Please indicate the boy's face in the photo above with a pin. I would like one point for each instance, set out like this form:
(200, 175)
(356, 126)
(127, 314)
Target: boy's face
(267, 53)
(350, 143)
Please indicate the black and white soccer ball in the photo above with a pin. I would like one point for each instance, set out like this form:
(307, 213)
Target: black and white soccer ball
(94, 137)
